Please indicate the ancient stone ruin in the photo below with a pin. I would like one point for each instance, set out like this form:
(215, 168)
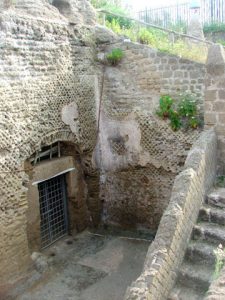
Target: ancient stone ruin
(81, 147)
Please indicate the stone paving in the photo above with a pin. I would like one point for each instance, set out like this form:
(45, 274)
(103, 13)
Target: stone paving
(87, 267)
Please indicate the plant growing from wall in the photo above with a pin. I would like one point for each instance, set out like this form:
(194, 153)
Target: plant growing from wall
(115, 56)
(182, 113)
(220, 260)
(220, 181)
(165, 106)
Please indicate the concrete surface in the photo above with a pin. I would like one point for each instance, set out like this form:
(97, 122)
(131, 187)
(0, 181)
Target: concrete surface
(89, 267)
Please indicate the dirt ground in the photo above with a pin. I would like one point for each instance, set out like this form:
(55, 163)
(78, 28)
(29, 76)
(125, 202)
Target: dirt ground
(87, 267)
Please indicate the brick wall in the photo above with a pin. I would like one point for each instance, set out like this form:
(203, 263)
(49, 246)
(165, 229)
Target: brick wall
(166, 252)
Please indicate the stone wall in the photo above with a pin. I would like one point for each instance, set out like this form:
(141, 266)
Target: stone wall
(215, 36)
(45, 98)
(215, 98)
(52, 90)
(140, 155)
(166, 252)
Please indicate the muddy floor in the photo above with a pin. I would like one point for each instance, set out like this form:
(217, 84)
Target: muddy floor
(89, 266)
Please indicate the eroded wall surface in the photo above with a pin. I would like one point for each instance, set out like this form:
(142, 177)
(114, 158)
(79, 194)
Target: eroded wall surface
(44, 98)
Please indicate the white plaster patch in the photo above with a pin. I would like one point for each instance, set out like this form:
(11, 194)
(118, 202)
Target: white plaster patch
(70, 117)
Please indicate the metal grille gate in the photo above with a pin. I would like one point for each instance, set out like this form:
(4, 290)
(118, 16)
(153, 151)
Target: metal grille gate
(53, 210)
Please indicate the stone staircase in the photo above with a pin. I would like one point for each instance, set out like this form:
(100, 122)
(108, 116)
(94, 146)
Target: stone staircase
(196, 271)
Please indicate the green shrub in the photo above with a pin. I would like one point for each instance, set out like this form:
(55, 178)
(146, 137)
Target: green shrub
(146, 37)
(222, 42)
(123, 21)
(115, 56)
(175, 120)
(214, 27)
(182, 113)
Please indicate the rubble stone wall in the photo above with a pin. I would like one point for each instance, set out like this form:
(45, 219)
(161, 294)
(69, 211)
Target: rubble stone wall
(167, 251)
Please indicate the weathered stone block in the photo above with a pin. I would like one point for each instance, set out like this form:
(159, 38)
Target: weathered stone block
(210, 118)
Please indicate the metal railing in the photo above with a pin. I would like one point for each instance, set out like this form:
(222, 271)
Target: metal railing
(211, 11)
(173, 33)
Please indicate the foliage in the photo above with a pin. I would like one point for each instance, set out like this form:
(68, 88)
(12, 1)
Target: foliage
(165, 104)
(214, 27)
(182, 114)
(115, 8)
(123, 21)
(222, 42)
(175, 120)
(220, 260)
(115, 56)
(160, 40)
(220, 181)
(145, 36)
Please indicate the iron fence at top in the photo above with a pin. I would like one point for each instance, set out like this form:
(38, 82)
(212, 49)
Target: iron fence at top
(211, 11)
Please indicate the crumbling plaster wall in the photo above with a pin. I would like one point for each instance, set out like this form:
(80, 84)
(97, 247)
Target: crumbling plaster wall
(39, 83)
(139, 155)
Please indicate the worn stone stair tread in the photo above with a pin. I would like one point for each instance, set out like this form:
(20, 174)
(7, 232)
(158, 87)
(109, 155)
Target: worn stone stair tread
(211, 232)
(181, 292)
(212, 214)
(217, 197)
(198, 251)
(196, 276)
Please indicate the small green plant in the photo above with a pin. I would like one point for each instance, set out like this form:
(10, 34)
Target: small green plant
(220, 260)
(187, 106)
(220, 181)
(182, 113)
(165, 104)
(175, 121)
(115, 56)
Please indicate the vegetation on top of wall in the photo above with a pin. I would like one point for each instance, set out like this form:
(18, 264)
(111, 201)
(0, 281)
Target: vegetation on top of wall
(221, 42)
(160, 40)
(214, 27)
(182, 113)
(116, 8)
(115, 56)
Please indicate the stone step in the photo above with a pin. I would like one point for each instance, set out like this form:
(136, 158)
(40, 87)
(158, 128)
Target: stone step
(217, 198)
(195, 276)
(181, 292)
(212, 214)
(209, 232)
(199, 251)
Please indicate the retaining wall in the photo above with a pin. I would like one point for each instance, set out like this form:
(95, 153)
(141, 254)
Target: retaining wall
(167, 251)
